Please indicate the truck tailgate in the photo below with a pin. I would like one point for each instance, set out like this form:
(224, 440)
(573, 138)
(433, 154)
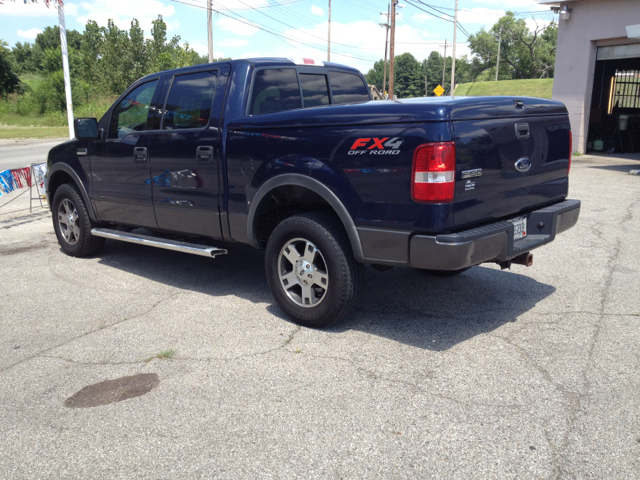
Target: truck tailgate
(508, 165)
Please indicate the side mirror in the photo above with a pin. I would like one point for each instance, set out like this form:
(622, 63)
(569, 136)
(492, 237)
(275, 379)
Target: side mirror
(85, 128)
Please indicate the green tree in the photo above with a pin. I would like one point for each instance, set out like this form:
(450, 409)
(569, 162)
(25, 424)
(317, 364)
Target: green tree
(409, 82)
(375, 76)
(523, 53)
(50, 38)
(115, 45)
(27, 58)
(91, 53)
(9, 81)
(137, 55)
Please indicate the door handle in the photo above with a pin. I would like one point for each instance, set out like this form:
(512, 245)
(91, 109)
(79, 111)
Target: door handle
(140, 154)
(204, 154)
(522, 131)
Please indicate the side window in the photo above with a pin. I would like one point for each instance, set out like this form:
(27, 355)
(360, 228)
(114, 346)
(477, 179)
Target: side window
(275, 90)
(189, 101)
(348, 88)
(315, 91)
(131, 113)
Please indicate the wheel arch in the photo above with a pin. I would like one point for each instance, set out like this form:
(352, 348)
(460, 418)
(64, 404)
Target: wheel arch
(315, 187)
(61, 173)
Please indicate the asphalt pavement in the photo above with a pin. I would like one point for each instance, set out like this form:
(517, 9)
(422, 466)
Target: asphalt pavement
(22, 153)
(144, 363)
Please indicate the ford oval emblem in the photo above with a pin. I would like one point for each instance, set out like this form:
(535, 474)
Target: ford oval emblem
(523, 164)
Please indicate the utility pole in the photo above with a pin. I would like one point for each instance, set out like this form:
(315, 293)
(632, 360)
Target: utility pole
(329, 36)
(210, 30)
(386, 42)
(392, 48)
(444, 68)
(453, 60)
(498, 62)
(426, 87)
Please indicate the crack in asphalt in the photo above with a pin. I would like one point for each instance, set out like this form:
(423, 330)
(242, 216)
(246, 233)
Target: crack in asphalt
(286, 342)
(85, 334)
(576, 407)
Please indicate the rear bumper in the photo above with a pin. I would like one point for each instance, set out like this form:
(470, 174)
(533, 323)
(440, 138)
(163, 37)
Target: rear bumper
(494, 242)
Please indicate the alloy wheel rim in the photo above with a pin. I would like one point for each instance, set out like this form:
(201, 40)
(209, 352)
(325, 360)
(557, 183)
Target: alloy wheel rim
(68, 221)
(303, 273)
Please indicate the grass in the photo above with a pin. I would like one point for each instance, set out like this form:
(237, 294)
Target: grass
(163, 355)
(526, 88)
(13, 131)
(20, 115)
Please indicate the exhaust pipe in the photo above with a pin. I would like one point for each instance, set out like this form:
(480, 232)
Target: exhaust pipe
(525, 259)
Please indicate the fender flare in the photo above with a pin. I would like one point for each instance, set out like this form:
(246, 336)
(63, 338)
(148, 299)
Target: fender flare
(316, 187)
(72, 173)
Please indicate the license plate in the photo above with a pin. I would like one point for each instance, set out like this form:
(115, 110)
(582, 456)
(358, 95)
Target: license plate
(519, 227)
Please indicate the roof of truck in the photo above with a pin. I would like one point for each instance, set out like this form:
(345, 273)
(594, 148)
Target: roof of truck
(268, 62)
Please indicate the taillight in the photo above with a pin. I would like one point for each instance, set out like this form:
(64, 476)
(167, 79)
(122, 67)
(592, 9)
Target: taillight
(570, 150)
(434, 173)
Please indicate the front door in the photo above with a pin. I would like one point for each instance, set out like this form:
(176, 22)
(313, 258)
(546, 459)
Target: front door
(184, 154)
(120, 165)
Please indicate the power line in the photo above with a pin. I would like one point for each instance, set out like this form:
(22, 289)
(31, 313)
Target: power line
(438, 17)
(285, 38)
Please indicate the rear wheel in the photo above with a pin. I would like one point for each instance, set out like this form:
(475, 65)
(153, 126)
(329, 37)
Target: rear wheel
(311, 270)
(72, 224)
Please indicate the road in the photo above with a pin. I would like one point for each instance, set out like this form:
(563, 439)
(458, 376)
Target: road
(529, 373)
(21, 153)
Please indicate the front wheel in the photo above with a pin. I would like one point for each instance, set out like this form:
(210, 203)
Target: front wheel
(72, 224)
(311, 270)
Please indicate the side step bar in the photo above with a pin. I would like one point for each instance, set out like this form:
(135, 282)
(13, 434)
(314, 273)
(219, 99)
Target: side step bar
(167, 244)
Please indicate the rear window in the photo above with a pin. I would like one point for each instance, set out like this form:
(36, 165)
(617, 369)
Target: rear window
(275, 90)
(315, 90)
(189, 101)
(348, 88)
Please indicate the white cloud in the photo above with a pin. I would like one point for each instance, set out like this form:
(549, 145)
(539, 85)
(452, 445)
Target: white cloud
(511, 4)
(203, 49)
(317, 10)
(35, 9)
(537, 23)
(123, 11)
(31, 34)
(236, 5)
(485, 16)
(237, 27)
(422, 17)
(231, 42)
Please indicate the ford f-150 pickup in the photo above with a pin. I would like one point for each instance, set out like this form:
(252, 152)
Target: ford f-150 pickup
(293, 157)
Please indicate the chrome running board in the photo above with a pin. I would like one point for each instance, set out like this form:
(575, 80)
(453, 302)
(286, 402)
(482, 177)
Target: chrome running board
(167, 244)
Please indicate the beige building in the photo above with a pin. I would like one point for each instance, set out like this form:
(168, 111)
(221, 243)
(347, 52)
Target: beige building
(597, 71)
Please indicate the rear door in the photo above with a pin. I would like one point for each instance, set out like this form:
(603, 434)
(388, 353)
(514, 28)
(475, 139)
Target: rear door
(184, 154)
(507, 165)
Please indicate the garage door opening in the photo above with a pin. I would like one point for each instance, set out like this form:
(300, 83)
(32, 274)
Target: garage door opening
(614, 123)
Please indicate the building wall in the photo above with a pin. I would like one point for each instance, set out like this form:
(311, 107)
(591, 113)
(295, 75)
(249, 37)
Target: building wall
(593, 23)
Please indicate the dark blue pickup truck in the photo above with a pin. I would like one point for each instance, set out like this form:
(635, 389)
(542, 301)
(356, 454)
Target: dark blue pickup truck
(295, 158)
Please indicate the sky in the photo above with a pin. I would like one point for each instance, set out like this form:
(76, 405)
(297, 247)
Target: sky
(283, 28)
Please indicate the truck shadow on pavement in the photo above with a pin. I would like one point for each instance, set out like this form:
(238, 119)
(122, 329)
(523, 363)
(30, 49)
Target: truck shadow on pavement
(403, 304)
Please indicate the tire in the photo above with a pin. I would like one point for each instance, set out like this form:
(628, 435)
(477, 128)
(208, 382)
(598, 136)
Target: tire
(445, 273)
(329, 288)
(72, 224)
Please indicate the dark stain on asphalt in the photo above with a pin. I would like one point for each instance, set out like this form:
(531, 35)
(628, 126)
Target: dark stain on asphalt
(111, 391)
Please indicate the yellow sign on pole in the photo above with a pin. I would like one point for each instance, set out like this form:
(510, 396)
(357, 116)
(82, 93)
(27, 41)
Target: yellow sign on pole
(438, 90)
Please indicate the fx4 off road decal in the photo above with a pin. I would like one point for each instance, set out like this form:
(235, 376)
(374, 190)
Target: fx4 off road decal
(376, 146)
